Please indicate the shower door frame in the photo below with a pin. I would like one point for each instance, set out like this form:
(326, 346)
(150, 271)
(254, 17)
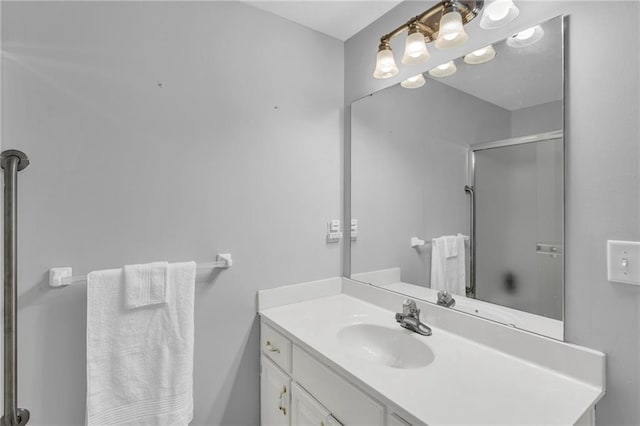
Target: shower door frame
(471, 178)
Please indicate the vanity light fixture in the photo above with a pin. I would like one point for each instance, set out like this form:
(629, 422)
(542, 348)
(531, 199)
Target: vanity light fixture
(480, 56)
(444, 70)
(526, 38)
(415, 50)
(451, 33)
(414, 82)
(498, 13)
(442, 24)
(385, 64)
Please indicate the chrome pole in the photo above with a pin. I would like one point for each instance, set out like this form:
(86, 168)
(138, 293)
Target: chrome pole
(11, 161)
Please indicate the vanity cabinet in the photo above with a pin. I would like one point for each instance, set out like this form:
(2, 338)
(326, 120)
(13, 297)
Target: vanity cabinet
(305, 410)
(275, 390)
(299, 390)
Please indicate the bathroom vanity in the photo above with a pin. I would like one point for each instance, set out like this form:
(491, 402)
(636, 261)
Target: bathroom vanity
(332, 353)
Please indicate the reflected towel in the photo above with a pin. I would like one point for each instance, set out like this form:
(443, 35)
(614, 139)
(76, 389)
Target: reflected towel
(145, 284)
(447, 269)
(450, 246)
(140, 362)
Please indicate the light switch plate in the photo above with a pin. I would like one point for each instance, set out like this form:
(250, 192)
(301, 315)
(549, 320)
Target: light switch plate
(334, 234)
(623, 262)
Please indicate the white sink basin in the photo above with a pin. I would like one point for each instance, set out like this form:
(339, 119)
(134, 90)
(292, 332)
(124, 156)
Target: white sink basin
(392, 347)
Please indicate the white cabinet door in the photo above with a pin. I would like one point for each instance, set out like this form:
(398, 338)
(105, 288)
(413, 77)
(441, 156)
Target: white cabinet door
(395, 420)
(331, 421)
(306, 411)
(275, 393)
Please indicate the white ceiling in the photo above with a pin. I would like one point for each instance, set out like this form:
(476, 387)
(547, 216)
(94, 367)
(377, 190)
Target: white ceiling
(337, 18)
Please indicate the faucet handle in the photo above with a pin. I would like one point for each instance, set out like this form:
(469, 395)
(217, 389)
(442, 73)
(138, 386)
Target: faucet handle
(446, 299)
(409, 307)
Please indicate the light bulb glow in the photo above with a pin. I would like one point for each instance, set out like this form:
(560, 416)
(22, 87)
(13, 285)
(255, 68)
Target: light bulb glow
(498, 13)
(523, 35)
(451, 36)
(385, 64)
(451, 31)
(480, 56)
(444, 70)
(414, 82)
(498, 10)
(526, 37)
(415, 50)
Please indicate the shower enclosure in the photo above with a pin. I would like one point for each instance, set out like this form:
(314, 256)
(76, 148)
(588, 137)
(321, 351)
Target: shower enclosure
(517, 220)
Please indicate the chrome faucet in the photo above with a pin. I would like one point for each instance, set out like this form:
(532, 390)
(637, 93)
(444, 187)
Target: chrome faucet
(410, 318)
(445, 299)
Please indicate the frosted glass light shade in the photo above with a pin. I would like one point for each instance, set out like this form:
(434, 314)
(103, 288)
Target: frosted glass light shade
(526, 38)
(415, 49)
(480, 56)
(414, 82)
(444, 70)
(385, 64)
(498, 13)
(451, 32)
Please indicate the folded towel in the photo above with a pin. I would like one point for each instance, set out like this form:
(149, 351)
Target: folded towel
(450, 246)
(447, 269)
(145, 284)
(140, 362)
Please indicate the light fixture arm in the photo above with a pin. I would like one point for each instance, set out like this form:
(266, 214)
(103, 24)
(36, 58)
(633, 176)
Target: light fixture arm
(428, 22)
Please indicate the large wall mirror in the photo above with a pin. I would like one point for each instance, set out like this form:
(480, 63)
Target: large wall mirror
(458, 185)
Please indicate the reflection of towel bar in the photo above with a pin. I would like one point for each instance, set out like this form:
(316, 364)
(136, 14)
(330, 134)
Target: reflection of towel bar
(551, 249)
(417, 242)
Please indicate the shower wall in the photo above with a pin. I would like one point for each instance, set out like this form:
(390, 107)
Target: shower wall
(166, 131)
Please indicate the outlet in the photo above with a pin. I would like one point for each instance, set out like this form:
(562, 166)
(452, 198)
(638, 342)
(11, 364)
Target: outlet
(623, 262)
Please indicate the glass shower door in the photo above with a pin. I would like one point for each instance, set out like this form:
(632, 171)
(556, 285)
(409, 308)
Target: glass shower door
(519, 226)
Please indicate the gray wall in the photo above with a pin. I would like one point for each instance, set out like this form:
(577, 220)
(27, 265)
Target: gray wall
(537, 119)
(602, 169)
(238, 151)
(408, 171)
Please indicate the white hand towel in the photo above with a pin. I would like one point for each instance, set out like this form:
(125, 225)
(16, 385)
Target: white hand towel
(145, 284)
(448, 271)
(451, 246)
(140, 362)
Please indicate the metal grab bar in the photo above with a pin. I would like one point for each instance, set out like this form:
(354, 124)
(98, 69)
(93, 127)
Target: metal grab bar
(11, 161)
(471, 290)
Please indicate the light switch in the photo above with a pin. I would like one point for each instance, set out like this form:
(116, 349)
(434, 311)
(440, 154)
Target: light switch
(334, 234)
(623, 262)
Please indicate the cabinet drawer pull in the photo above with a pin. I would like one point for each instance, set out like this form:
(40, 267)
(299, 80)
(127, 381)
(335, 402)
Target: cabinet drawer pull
(281, 406)
(271, 348)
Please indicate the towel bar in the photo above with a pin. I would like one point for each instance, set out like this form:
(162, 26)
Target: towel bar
(417, 242)
(63, 276)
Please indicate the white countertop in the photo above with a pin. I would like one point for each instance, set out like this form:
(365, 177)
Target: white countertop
(466, 384)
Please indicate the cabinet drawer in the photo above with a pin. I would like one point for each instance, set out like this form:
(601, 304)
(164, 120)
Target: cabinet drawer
(346, 402)
(276, 346)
